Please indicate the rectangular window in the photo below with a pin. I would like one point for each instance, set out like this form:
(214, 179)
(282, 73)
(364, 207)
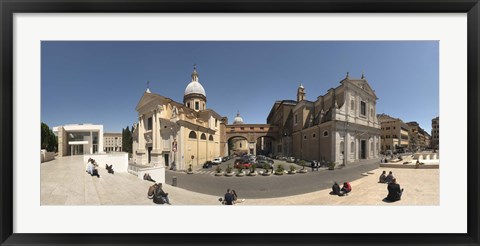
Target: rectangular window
(149, 123)
(216, 122)
(363, 108)
(196, 106)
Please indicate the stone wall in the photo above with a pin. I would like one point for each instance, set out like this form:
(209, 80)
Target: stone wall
(46, 156)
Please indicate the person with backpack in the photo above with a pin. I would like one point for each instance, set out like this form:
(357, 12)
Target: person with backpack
(159, 196)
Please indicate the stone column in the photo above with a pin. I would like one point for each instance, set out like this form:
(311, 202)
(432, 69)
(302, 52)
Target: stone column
(141, 152)
(91, 143)
(141, 130)
(346, 140)
(100, 140)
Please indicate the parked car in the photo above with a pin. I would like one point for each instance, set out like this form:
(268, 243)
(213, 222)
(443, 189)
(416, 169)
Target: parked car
(207, 164)
(245, 164)
(261, 163)
(217, 161)
(291, 159)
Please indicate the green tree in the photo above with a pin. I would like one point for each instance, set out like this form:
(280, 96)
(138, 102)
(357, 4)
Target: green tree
(127, 140)
(48, 139)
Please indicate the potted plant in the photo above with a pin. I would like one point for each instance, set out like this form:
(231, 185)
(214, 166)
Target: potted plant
(303, 170)
(218, 171)
(252, 171)
(240, 172)
(292, 170)
(279, 170)
(331, 165)
(190, 169)
(228, 171)
(266, 167)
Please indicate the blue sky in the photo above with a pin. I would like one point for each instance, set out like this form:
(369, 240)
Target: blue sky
(102, 82)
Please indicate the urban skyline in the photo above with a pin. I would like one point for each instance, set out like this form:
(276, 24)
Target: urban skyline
(101, 82)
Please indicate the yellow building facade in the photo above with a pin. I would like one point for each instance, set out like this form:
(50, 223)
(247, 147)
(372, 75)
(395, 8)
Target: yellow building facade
(181, 134)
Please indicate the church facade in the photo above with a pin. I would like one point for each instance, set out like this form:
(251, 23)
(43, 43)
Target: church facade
(340, 126)
(169, 133)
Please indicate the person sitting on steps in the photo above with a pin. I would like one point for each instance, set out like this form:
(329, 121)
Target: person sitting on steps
(146, 176)
(159, 196)
(109, 168)
(336, 190)
(151, 191)
(383, 177)
(228, 198)
(389, 177)
(394, 191)
(346, 188)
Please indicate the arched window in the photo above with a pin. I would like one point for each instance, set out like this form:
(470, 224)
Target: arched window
(314, 135)
(192, 135)
(304, 137)
(203, 136)
(210, 138)
(325, 133)
(240, 144)
(352, 147)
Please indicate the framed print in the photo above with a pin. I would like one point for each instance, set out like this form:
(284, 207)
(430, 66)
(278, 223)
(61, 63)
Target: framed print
(88, 68)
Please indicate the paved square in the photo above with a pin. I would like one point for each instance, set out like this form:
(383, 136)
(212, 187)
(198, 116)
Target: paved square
(65, 182)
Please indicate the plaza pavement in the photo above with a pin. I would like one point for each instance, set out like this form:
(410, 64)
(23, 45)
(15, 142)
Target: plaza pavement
(65, 182)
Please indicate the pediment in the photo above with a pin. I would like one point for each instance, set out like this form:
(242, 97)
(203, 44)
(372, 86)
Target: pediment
(147, 99)
(363, 85)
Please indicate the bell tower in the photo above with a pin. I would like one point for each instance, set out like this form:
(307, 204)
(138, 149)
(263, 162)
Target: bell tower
(300, 93)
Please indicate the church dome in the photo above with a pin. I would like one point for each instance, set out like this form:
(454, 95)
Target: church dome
(195, 87)
(238, 119)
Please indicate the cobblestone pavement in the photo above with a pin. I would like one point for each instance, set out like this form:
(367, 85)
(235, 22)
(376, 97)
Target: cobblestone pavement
(65, 182)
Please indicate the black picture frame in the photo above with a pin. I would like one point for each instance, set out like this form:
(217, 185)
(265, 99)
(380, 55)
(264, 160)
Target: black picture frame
(9, 7)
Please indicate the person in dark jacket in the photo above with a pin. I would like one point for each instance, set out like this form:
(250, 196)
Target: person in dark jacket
(109, 168)
(394, 191)
(146, 176)
(383, 177)
(228, 198)
(336, 189)
(160, 195)
(389, 177)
